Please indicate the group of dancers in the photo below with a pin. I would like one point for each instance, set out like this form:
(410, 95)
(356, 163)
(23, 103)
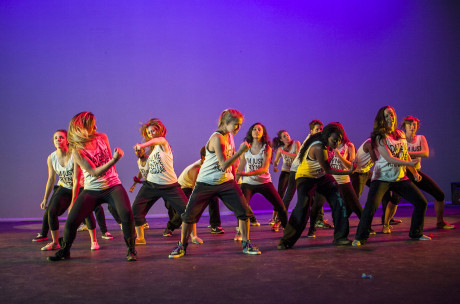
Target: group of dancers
(325, 167)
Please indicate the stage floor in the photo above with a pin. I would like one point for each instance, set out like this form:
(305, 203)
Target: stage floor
(314, 271)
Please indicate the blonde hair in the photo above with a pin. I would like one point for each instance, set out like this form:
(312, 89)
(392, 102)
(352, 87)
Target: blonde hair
(229, 115)
(80, 127)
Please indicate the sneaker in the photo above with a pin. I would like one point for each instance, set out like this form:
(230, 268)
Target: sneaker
(248, 248)
(276, 226)
(40, 238)
(131, 255)
(139, 241)
(356, 243)
(254, 222)
(386, 229)
(178, 251)
(217, 230)
(342, 242)
(146, 225)
(444, 225)
(107, 236)
(121, 227)
(82, 227)
(283, 246)
(424, 238)
(62, 254)
(196, 240)
(371, 231)
(272, 222)
(167, 233)
(51, 246)
(311, 234)
(395, 221)
(94, 246)
(323, 224)
(238, 236)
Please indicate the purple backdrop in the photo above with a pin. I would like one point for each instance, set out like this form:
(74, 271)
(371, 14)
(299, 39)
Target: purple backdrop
(282, 63)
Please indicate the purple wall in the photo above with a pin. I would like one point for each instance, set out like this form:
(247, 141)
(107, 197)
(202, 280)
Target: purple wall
(282, 63)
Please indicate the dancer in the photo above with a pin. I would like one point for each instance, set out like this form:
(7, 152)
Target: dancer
(61, 163)
(187, 180)
(216, 179)
(287, 149)
(314, 174)
(161, 179)
(417, 146)
(253, 169)
(341, 159)
(389, 174)
(174, 220)
(91, 151)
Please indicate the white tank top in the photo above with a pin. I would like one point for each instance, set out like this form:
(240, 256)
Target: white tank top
(144, 170)
(385, 171)
(65, 173)
(210, 172)
(99, 157)
(296, 162)
(255, 162)
(161, 170)
(337, 164)
(309, 167)
(364, 161)
(415, 146)
(287, 160)
(184, 179)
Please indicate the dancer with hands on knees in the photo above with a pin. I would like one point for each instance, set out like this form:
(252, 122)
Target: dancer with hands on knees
(91, 151)
(216, 179)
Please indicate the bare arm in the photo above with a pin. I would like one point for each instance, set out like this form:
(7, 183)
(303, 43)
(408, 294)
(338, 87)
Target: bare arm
(89, 167)
(386, 154)
(263, 169)
(217, 145)
(347, 159)
(317, 152)
(277, 159)
(137, 180)
(49, 183)
(425, 152)
(153, 142)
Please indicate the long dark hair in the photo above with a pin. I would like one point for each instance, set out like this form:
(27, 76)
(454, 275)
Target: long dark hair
(380, 126)
(323, 136)
(277, 142)
(265, 139)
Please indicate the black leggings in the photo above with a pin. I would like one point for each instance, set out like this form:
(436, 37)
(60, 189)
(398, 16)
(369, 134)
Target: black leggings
(268, 191)
(290, 191)
(404, 188)
(150, 193)
(283, 183)
(306, 188)
(213, 208)
(58, 204)
(87, 202)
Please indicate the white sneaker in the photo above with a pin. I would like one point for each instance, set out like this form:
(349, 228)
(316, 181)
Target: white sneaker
(82, 227)
(94, 246)
(51, 246)
(196, 240)
(107, 236)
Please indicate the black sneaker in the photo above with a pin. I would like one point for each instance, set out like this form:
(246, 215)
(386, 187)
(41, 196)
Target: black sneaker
(178, 251)
(283, 246)
(131, 255)
(342, 242)
(167, 232)
(217, 230)
(62, 254)
(40, 238)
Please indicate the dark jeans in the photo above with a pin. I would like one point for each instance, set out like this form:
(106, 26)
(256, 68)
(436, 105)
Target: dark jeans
(404, 188)
(150, 193)
(229, 193)
(268, 191)
(58, 204)
(213, 209)
(306, 187)
(87, 201)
